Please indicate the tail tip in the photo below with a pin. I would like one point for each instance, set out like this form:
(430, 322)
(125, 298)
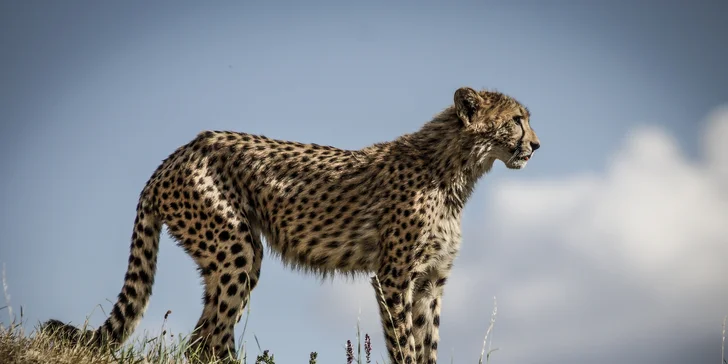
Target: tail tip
(64, 331)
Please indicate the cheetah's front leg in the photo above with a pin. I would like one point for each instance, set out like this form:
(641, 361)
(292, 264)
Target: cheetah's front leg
(426, 312)
(394, 295)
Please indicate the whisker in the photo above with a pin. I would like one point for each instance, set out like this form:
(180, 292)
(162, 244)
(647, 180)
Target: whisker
(515, 154)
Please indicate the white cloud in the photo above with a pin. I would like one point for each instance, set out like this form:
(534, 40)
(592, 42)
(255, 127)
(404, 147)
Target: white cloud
(653, 212)
(715, 142)
(652, 230)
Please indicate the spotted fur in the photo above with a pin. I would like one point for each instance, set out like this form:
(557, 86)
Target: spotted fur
(392, 209)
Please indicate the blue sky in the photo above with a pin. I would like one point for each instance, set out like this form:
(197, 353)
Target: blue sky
(624, 96)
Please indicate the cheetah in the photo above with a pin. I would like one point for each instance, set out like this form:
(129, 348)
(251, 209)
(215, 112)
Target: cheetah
(392, 209)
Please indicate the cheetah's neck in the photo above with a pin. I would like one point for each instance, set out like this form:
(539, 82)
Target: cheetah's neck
(455, 161)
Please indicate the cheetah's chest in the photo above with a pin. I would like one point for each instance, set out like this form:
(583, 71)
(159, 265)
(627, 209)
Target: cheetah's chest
(441, 243)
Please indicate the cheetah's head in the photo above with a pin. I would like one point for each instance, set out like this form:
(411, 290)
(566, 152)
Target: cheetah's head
(498, 124)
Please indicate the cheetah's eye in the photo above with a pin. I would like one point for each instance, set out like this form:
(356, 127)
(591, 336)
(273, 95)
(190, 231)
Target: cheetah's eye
(517, 119)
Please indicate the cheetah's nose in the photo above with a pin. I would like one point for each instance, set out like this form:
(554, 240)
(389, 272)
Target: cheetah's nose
(535, 145)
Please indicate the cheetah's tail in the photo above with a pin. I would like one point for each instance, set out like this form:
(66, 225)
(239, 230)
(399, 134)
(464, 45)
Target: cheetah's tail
(134, 297)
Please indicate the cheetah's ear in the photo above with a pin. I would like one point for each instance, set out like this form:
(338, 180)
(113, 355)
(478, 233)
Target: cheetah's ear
(467, 102)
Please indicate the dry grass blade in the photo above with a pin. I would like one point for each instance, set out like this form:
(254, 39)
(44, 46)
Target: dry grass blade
(487, 333)
(7, 295)
(722, 346)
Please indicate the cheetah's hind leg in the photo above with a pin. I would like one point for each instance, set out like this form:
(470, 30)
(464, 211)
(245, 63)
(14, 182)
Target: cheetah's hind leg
(229, 257)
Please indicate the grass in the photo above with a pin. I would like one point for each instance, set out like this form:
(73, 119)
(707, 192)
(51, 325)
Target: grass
(45, 347)
(42, 347)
